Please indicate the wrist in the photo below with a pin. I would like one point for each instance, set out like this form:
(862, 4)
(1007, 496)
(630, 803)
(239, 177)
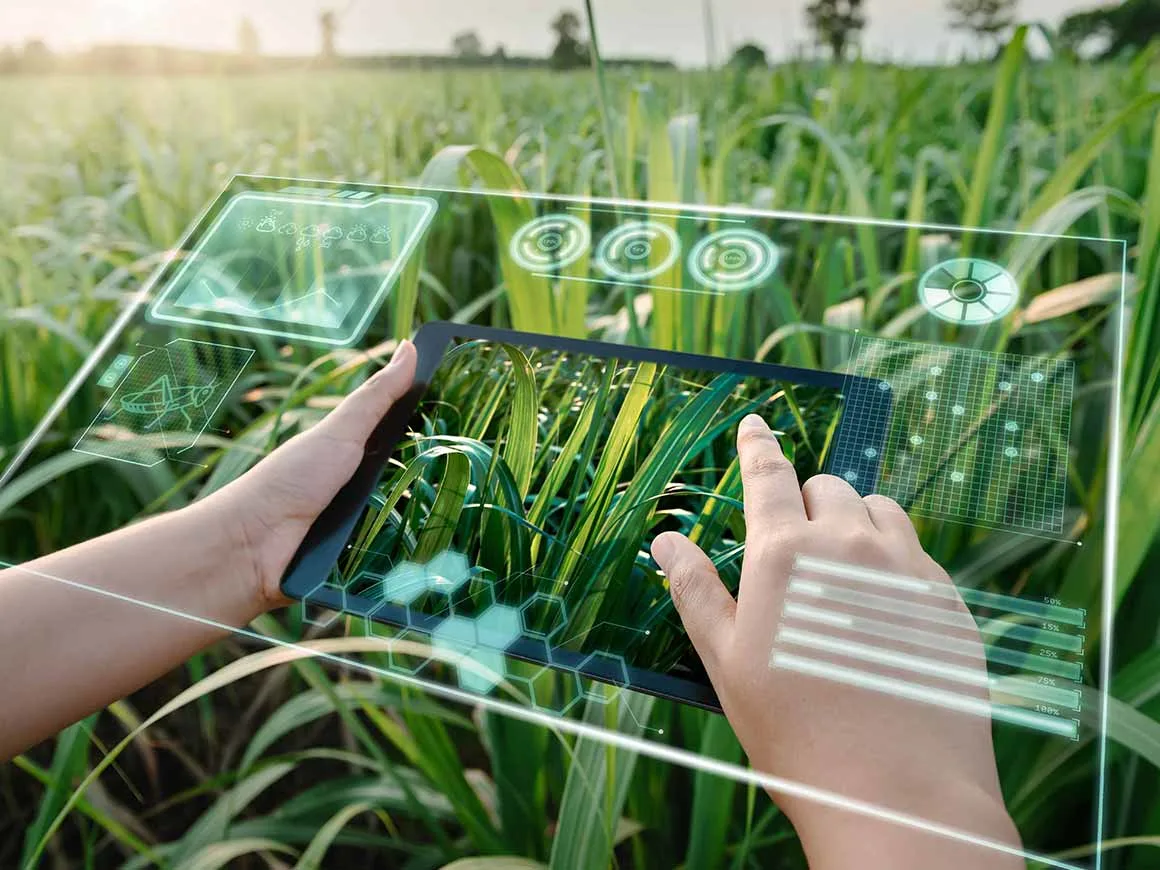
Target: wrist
(844, 837)
(236, 546)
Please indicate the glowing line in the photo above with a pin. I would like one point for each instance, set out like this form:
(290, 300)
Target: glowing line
(918, 637)
(1028, 634)
(715, 210)
(1053, 612)
(868, 575)
(894, 606)
(878, 602)
(975, 677)
(817, 614)
(910, 692)
(659, 751)
(636, 285)
(651, 214)
(1112, 506)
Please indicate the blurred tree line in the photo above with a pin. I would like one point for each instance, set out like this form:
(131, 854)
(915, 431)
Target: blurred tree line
(570, 51)
(1103, 32)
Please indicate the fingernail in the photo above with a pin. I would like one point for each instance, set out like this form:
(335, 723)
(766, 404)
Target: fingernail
(754, 422)
(662, 548)
(402, 352)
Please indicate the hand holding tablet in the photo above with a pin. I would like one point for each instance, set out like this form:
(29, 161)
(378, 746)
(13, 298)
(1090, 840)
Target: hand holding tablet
(541, 468)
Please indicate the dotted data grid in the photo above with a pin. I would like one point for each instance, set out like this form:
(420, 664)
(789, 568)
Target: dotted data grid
(973, 436)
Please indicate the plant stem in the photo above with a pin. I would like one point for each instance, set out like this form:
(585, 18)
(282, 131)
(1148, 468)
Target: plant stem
(605, 113)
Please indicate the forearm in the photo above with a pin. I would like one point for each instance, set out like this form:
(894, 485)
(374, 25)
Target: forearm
(839, 838)
(70, 650)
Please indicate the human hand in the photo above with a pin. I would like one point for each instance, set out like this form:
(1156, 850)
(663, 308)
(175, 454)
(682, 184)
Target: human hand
(268, 510)
(902, 755)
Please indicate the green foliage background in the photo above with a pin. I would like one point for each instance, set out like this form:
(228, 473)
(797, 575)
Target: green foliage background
(236, 761)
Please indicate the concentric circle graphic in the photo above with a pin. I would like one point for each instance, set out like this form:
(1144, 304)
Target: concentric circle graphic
(638, 250)
(968, 291)
(550, 243)
(733, 259)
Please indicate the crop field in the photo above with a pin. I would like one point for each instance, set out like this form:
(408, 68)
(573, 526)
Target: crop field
(239, 759)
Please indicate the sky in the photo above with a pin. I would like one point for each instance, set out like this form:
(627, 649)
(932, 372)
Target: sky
(904, 30)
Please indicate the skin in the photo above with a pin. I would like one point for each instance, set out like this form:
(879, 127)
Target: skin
(910, 757)
(220, 558)
(858, 743)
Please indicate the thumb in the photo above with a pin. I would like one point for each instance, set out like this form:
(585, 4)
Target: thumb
(358, 414)
(704, 604)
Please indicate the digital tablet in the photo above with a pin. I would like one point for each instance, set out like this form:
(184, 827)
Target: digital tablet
(507, 503)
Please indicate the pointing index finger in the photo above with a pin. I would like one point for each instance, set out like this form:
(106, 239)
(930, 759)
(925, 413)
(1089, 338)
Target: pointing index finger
(771, 492)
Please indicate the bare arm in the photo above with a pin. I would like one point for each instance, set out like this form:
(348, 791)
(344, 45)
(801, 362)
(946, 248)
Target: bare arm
(69, 651)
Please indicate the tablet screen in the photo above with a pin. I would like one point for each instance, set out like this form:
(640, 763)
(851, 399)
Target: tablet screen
(535, 478)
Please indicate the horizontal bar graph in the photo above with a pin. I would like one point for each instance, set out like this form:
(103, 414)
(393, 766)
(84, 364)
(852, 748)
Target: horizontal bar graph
(1016, 660)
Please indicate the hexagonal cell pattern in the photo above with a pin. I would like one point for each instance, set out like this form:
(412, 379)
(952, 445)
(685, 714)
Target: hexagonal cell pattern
(404, 583)
(406, 658)
(447, 571)
(498, 626)
(483, 671)
(315, 614)
(608, 667)
(543, 615)
(456, 633)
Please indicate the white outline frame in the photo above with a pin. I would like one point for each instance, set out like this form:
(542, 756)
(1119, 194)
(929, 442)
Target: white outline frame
(1112, 494)
(165, 450)
(428, 208)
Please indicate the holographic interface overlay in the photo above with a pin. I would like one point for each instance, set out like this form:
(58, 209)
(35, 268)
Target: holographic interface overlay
(517, 515)
(968, 290)
(163, 400)
(1014, 660)
(294, 265)
(329, 650)
(722, 316)
(977, 437)
(645, 249)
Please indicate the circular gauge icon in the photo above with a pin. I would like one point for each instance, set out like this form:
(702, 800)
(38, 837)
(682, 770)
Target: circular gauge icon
(638, 250)
(733, 259)
(968, 291)
(550, 243)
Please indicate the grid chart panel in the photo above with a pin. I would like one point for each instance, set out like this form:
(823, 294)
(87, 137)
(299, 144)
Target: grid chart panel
(972, 436)
(164, 402)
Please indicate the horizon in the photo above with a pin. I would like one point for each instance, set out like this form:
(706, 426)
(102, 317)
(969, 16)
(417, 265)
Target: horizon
(652, 29)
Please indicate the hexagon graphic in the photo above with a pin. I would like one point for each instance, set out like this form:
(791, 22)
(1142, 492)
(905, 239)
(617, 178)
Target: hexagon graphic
(532, 681)
(410, 660)
(481, 671)
(456, 633)
(404, 583)
(543, 615)
(498, 626)
(447, 571)
(610, 668)
(327, 616)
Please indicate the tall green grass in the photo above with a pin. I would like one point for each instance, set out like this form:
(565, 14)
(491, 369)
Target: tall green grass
(295, 762)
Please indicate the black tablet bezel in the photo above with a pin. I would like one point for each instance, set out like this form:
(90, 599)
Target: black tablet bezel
(305, 577)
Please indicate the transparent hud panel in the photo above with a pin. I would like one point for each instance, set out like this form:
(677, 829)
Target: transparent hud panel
(503, 559)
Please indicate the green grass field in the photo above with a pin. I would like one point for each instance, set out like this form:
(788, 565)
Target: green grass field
(232, 760)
